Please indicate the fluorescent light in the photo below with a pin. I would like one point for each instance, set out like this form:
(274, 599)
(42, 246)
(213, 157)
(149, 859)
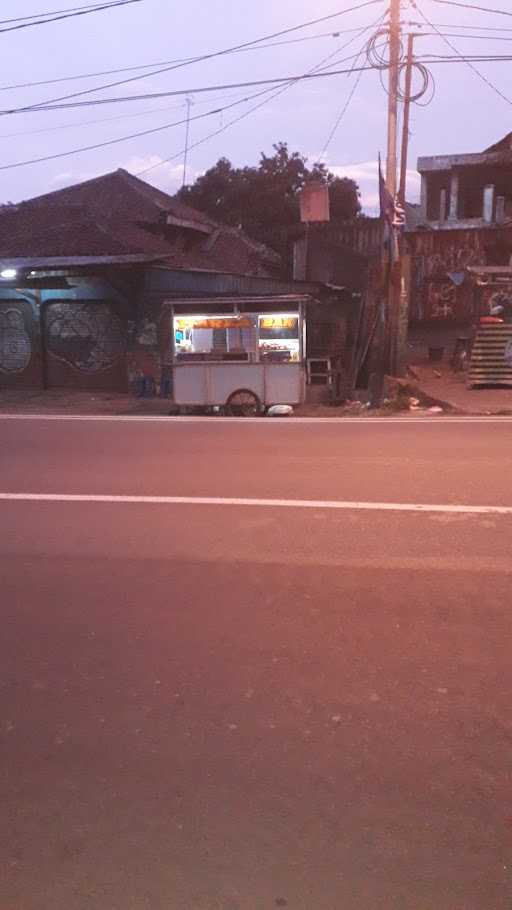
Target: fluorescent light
(8, 273)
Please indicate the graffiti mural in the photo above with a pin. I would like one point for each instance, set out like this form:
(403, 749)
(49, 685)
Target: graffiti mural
(441, 300)
(87, 336)
(15, 343)
(438, 258)
(452, 259)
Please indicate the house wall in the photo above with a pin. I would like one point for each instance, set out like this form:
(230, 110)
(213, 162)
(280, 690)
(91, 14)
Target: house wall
(110, 333)
(75, 337)
(436, 299)
(149, 348)
(21, 363)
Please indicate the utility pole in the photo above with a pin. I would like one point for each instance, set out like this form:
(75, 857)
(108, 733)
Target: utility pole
(392, 354)
(407, 114)
(394, 64)
(401, 300)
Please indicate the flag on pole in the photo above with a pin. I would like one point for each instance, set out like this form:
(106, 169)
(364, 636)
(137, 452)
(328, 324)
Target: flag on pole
(392, 213)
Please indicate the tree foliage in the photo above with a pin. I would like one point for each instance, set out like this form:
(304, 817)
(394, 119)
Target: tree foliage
(264, 200)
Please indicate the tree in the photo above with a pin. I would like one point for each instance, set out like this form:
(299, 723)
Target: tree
(264, 200)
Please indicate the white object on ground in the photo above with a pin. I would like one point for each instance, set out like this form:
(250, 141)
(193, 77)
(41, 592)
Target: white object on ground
(280, 410)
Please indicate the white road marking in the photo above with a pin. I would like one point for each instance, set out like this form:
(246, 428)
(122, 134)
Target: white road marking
(265, 503)
(440, 420)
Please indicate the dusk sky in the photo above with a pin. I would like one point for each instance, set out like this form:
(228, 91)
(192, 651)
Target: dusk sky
(465, 115)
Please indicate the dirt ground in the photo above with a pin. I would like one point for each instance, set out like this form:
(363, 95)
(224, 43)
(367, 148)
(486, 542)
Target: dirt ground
(118, 404)
(440, 382)
(433, 384)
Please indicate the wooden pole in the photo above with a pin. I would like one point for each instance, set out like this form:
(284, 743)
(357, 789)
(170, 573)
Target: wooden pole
(394, 63)
(395, 282)
(407, 116)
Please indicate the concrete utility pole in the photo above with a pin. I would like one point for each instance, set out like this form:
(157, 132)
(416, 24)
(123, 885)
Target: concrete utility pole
(407, 114)
(394, 64)
(392, 353)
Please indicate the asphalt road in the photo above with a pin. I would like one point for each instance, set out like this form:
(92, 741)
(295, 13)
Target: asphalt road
(239, 707)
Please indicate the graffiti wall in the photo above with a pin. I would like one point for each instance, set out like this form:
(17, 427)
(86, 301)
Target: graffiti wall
(439, 259)
(20, 349)
(149, 349)
(439, 293)
(85, 345)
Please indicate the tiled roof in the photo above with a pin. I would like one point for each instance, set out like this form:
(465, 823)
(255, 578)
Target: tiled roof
(118, 214)
(504, 145)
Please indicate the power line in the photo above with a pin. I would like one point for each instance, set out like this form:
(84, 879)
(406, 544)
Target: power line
(53, 12)
(348, 100)
(460, 55)
(81, 123)
(341, 114)
(98, 145)
(466, 6)
(288, 82)
(481, 28)
(119, 139)
(141, 66)
(147, 96)
(69, 15)
(470, 58)
(224, 127)
(459, 35)
(200, 58)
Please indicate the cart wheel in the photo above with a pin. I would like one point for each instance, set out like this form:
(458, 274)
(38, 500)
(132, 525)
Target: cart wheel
(243, 403)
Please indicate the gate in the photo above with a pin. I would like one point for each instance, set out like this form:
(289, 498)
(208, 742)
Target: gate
(20, 350)
(85, 345)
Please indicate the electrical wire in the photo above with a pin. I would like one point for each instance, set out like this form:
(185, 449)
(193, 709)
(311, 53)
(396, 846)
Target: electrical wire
(461, 55)
(351, 94)
(158, 129)
(467, 37)
(471, 58)
(105, 144)
(53, 12)
(82, 123)
(198, 59)
(70, 15)
(147, 96)
(466, 6)
(316, 70)
(341, 115)
(141, 66)
(481, 28)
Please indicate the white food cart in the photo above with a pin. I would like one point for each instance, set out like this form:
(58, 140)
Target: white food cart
(242, 356)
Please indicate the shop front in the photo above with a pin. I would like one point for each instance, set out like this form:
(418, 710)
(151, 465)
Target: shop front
(242, 357)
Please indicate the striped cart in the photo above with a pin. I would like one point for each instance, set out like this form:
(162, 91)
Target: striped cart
(491, 357)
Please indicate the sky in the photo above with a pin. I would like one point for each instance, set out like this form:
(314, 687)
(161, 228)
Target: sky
(465, 114)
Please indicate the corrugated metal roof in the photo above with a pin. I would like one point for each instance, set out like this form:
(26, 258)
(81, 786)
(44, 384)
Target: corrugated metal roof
(56, 262)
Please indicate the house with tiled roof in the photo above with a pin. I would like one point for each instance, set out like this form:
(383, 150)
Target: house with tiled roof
(120, 215)
(90, 273)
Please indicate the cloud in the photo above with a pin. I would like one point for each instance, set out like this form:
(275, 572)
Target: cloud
(67, 178)
(166, 175)
(365, 173)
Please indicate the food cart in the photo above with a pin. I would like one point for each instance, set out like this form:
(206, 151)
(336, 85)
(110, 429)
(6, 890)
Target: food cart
(238, 355)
